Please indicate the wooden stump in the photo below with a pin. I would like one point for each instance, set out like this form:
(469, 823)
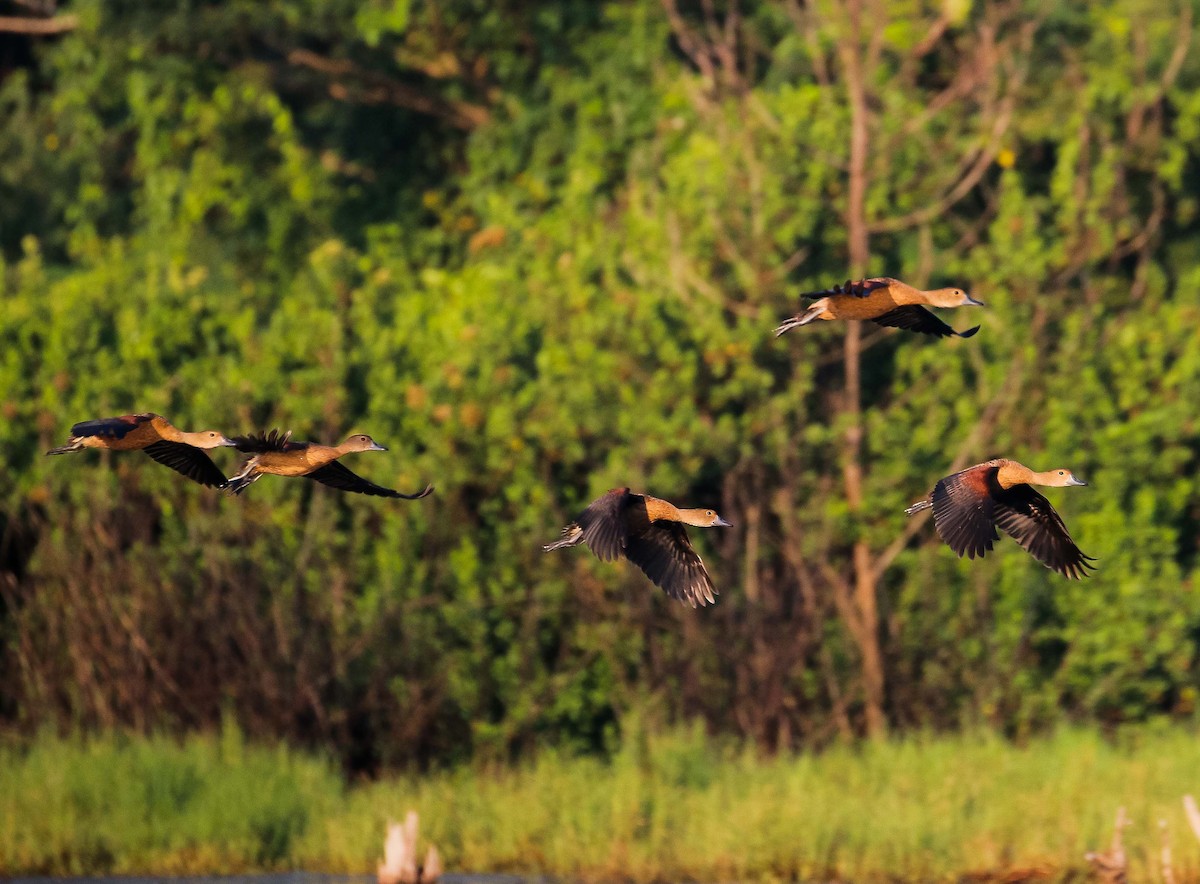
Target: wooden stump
(399, 864)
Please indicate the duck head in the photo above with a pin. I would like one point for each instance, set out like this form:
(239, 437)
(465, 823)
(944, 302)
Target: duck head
(703, 518)
(952, 298)
(208, 439)
(361, 442)
(1061, 478)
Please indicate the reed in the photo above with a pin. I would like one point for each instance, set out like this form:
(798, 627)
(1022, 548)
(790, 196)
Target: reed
(674, 806)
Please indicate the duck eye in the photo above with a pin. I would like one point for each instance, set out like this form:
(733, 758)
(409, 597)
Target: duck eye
(1061, 473)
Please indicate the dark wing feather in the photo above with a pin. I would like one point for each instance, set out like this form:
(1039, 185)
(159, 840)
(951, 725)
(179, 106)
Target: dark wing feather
(858, 289)
(963, 513)
(337, 476)
(918, 319)
(261, 443)
(1029, 519)
(111, 427)
(665, 554)
(605, 522)
(191, 462)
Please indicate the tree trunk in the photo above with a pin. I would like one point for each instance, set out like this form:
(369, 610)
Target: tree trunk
(852, 468)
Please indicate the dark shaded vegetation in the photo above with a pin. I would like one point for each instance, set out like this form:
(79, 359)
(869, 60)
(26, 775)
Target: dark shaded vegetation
(537, 250)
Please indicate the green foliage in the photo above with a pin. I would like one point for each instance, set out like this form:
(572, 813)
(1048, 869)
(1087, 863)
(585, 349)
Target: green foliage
(537, 251)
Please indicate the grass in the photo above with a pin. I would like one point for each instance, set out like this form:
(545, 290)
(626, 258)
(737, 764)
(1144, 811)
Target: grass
(672, 807)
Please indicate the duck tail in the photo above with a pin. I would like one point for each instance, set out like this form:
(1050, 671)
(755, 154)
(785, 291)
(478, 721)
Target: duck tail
(918, 506)
(809, 315)
(571, 535)
(428, 491)
(75, 443)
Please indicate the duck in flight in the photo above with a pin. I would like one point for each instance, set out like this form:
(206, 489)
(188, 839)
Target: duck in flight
(650, 533)
(885, 301)
(274, 454)
(155, 435)
(969, 506)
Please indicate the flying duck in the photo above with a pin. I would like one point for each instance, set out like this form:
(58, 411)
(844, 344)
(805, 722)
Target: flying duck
(650, 533)
(155, 435)
(276, 455)
(969, 506)
(885, 301)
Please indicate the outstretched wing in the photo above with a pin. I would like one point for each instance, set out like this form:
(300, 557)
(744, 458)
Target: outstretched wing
(261, 443)
(1029, 519)
(605, 522)
(855, 288)
(191, 462)
(664, 552)
(337, 476)
(112, 427)
(918, 319)
(963, 512)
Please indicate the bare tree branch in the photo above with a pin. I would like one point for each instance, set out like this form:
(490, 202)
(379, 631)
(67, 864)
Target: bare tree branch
(982, 162)
(1182, 42)
(935, 32)
(371, 87)
(38, 27)
(692, 45)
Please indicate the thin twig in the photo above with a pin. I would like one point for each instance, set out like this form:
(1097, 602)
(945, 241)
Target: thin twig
(1168, 873)
(1193, 814)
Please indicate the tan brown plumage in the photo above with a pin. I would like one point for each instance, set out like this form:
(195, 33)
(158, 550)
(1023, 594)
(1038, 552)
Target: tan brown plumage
(650, 533)
(155, 435)
(885, 301)
(970, 505)
(276, 455)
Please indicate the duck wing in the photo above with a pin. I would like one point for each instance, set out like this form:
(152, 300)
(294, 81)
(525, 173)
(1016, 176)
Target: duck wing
(191, 462)
(337, 476)
(1029, 519)
(261, 443)
(855, 288)
(664, 552)
(964, 512)
(918, 319)
(112, 427)
(606, 520)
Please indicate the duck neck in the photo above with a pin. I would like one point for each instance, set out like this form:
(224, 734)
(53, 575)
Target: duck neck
(1012, 473)
(172, 434)
(903, 293)
(339, 449)
(659, 509)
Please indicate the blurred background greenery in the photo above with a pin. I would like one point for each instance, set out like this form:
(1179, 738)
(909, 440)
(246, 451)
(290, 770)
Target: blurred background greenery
(537, 250)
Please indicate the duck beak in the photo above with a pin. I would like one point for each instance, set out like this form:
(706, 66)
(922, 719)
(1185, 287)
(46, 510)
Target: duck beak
(226, 442)
(375, 446)
(1076, 481)
(721, 523)
(967, 299)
